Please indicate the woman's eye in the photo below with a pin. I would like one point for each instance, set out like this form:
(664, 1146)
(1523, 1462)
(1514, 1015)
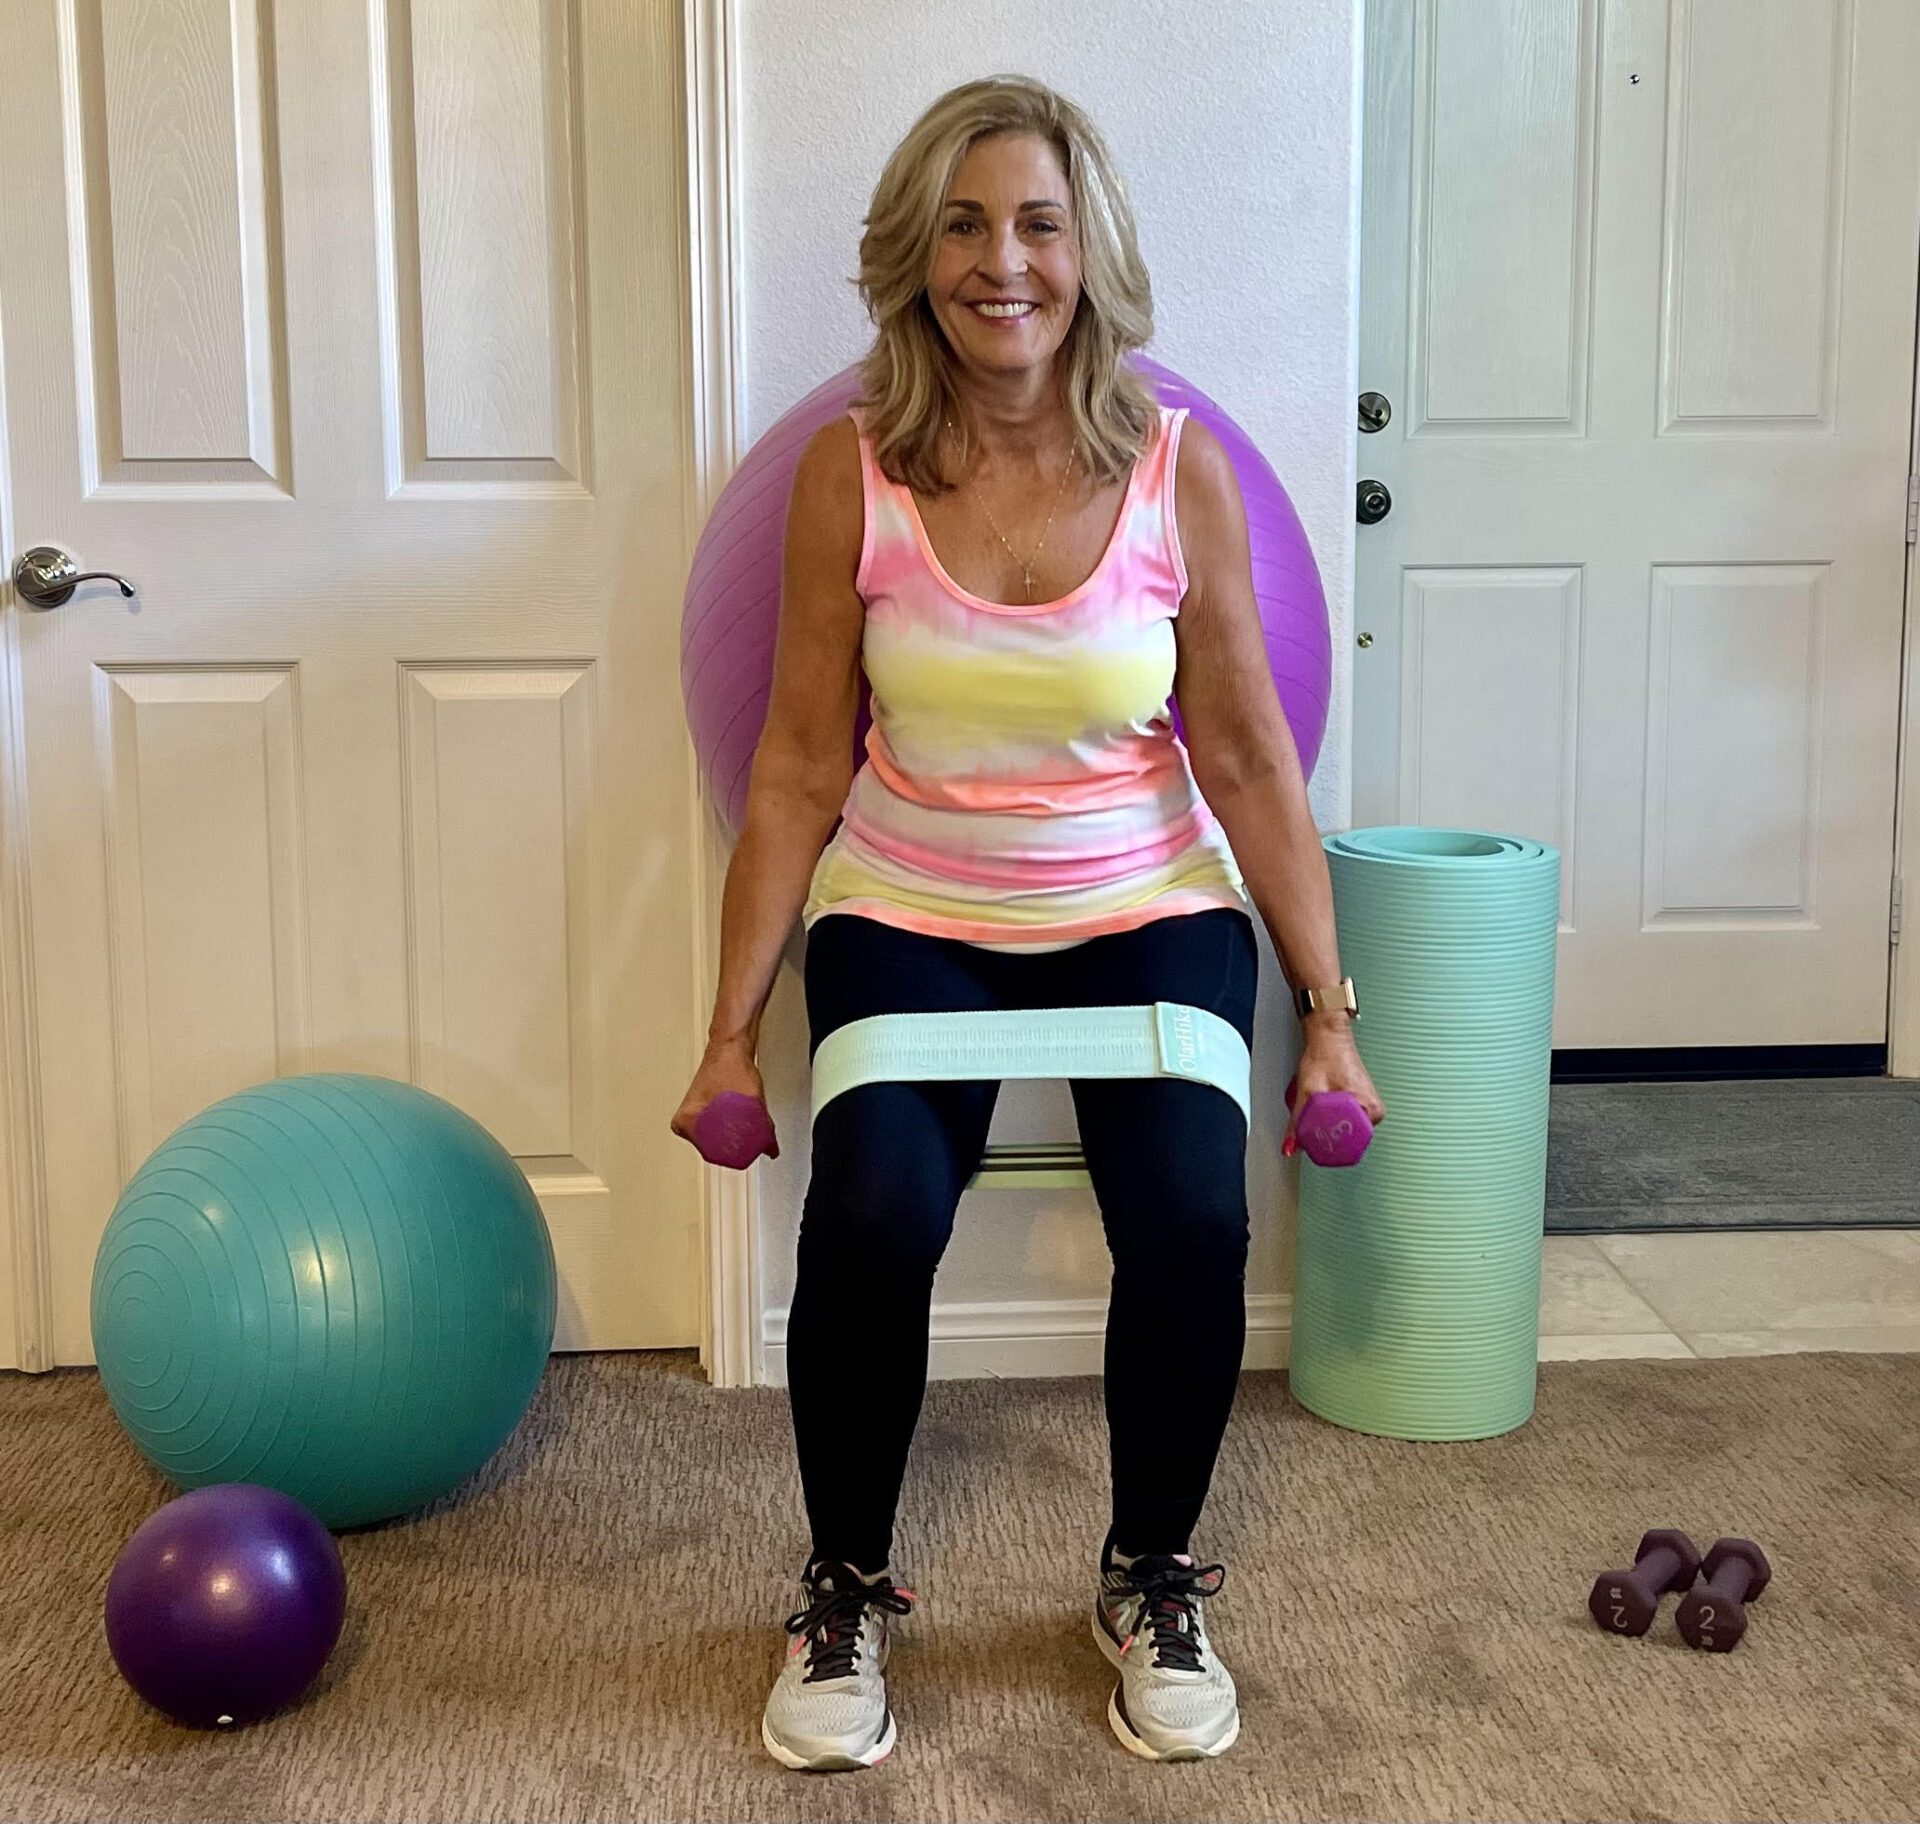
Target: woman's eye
(1043, 224)
(960, 225)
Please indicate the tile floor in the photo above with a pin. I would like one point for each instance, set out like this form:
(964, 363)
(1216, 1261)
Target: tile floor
(1719, 1294)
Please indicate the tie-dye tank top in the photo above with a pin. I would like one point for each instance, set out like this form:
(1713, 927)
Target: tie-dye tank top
(1023, 784)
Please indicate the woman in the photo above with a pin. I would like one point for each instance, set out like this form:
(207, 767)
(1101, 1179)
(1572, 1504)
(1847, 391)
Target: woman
(1030, 557)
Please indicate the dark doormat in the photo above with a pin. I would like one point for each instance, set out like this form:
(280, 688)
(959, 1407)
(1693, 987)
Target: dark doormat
(1813, 1153)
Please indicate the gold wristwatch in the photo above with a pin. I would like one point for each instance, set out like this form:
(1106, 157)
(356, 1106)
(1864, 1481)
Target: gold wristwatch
(1323, 1000)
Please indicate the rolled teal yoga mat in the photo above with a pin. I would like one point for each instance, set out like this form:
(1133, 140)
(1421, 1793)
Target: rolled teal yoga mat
(1416, 1304)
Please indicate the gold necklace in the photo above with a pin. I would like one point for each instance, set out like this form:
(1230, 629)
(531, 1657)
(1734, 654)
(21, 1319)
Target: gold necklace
(1026, 563)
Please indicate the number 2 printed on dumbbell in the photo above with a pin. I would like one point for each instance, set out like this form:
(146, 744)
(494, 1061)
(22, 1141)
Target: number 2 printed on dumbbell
(1713, 1614)
(1625, 1602)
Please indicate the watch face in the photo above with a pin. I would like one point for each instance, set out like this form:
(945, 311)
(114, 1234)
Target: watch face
(1315, 1000)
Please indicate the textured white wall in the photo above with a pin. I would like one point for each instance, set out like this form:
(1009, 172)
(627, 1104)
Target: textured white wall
(1235, 125)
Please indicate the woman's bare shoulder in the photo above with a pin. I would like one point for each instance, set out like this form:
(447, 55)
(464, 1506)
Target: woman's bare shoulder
(1204, 470)
(1212, 521)
(827, 475)
(826, 517)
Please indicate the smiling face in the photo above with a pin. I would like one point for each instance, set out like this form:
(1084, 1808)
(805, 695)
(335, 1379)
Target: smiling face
(1006, 276)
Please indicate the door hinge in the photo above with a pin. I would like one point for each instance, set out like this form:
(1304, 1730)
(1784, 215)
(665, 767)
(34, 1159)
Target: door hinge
(1899, 905)
(1913, 508)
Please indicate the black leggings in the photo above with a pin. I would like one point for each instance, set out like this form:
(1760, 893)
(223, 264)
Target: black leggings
(1168, 1163)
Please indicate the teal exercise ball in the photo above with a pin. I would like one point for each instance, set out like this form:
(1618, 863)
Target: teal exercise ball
(337, 1286)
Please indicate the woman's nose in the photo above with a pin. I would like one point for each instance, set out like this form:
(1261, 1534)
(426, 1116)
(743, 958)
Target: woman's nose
(1005, 257)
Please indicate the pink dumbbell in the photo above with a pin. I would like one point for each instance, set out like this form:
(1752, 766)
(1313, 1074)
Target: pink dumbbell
(734, 1130)
(1333, 1128)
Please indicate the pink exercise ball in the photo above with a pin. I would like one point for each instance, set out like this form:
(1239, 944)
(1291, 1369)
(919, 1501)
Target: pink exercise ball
(732, 610)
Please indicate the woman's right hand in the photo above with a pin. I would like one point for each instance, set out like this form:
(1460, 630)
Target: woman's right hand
(727, 1065)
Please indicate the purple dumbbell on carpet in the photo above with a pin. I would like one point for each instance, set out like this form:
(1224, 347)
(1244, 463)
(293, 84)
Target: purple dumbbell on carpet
(734, 1130)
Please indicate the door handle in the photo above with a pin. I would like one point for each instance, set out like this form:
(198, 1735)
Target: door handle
(1372, 503)
(46, 577)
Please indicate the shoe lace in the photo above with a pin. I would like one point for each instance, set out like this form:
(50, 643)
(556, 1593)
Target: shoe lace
(830, 1624)
(1170, 1593)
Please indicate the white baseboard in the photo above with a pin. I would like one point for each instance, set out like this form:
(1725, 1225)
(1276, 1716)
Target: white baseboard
(1019, 1339)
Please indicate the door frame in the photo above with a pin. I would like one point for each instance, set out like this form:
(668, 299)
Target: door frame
(24, 1220)
(730, 1335)
(1903, 988)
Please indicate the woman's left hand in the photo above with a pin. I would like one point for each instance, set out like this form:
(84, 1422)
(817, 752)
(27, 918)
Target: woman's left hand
(1330, 1060)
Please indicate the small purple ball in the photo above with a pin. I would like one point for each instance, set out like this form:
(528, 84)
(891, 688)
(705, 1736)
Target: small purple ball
(224, 1605)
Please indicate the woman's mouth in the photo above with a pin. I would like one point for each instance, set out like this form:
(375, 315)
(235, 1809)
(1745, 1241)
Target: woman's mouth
(1005, 310)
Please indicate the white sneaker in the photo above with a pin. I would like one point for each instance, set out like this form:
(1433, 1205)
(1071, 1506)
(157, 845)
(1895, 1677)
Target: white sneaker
(828, 1709)
(1174, 1701)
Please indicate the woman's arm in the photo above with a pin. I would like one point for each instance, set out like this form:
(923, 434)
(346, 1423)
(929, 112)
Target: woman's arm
(1244, 759)
(803, 766)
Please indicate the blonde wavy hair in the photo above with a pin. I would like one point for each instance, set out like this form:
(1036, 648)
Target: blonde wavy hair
(907, 379)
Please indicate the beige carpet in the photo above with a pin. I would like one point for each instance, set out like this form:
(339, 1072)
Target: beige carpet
(587, 1632)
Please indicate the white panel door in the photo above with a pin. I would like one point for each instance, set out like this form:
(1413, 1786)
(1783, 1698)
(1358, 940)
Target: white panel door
(347, 333)
(1639, 281)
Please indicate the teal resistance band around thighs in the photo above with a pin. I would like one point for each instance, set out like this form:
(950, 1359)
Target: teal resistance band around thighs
(1166, 1039)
